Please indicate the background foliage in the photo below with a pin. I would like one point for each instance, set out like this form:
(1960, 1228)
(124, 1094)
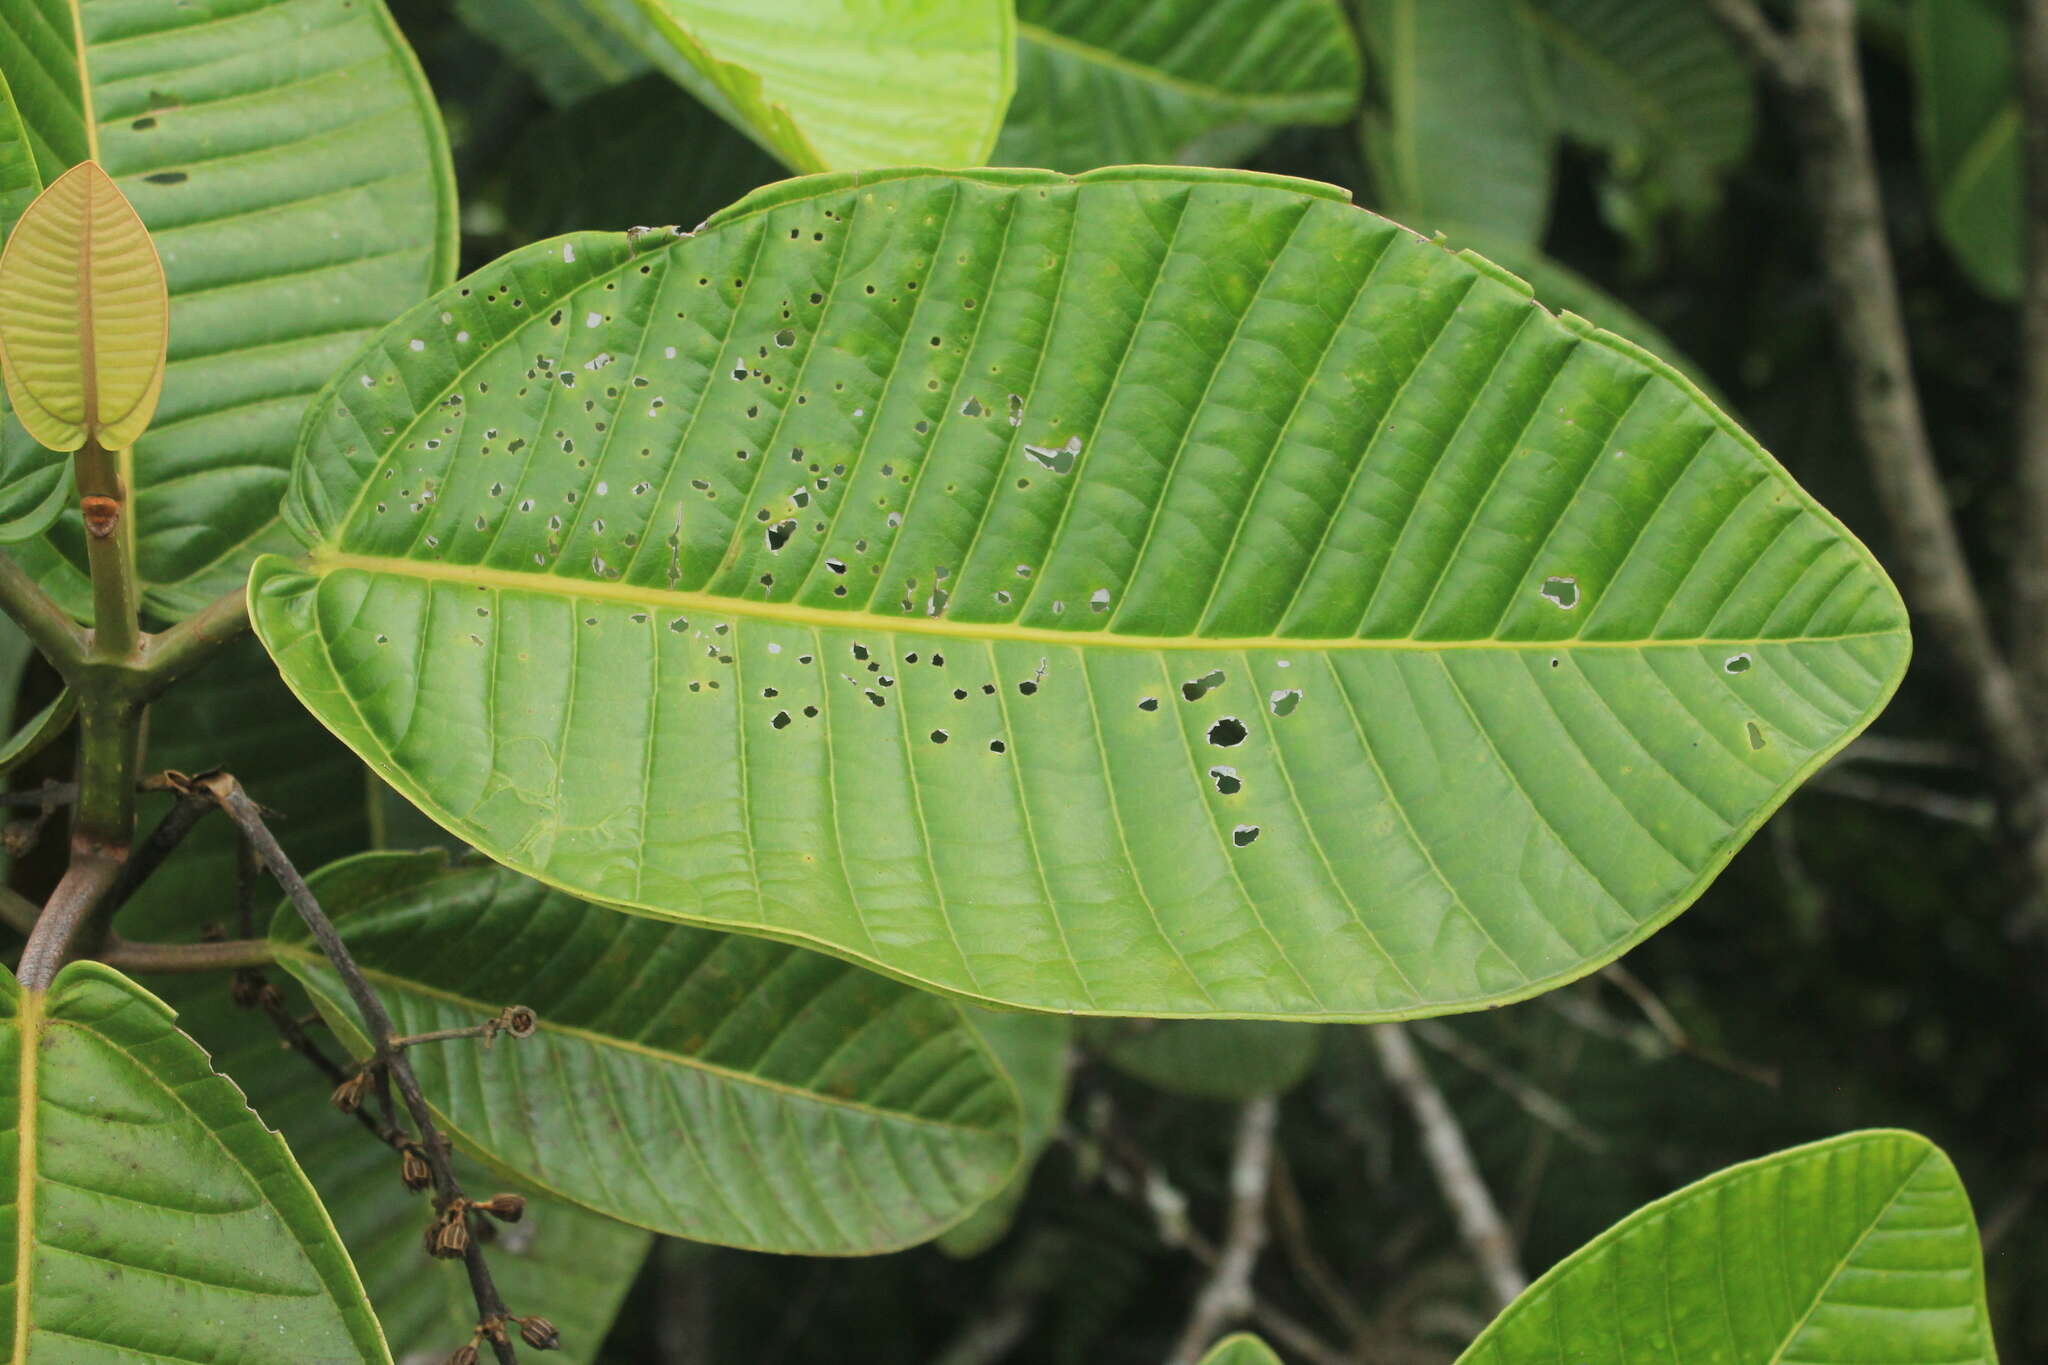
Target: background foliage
(1867, 961)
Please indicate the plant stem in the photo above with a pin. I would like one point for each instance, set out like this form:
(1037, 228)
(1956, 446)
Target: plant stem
(1227, 1296)
(110, 554)
(1450, 1158)
(390, 1060)
(45, 623)
(109, 759)
(178, 958)
(193, 641)
(66, 916)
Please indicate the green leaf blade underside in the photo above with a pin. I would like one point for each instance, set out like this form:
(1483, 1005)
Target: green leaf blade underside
(711, 1086)
(1460, 131)
(1857, 1250)
(1032, 1049)
(852, 87)
(572, 1265)
(1968, 111)
(289, 161)
(1335, 634)
(164, 1222)
(1148, 81)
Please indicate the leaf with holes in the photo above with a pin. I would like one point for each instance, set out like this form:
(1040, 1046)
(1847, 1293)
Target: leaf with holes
(1968, 111)
(844, 87)
(567, 1263)
(1161, 592)
(289, 161)
(1107, 84)
(158, 1219)
(1860, 1248)
(710, 1086)
(1459, 132)
(82, 316)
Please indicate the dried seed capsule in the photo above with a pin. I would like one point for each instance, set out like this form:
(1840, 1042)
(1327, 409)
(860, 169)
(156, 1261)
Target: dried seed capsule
(519, 1021)
(465, 1356)
(414, 1170)
(539, 1333)
(451, 1236)
(508, 1208)
(348, 1096)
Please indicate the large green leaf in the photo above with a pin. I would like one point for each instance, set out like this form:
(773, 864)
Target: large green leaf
(844, 87)
(149, 1215)
(1244, 607)
(1859, 1250)
(1130, 81)
(1032, 1049)
(1969, 118)
(707, 1085)
(287, 156)
(1217, 1059)
(1656, 84)
(566, 1263)
(1459, 132)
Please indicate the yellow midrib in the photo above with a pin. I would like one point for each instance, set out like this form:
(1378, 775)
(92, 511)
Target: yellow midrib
(794, 614)
(29, 1024)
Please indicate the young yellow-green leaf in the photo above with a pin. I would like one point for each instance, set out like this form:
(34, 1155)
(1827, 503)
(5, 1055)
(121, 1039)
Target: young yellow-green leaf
(1122, 82)
(1857, 1250)
(83, 315)
(1242, 1349)
(288, 159)
(846, 87)
(150, 1216)
(710, 1086)
(1160, 592)
(1968, 110)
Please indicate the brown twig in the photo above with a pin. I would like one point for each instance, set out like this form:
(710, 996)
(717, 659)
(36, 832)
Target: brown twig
(1226, 1297)
(386, 1060)
(1479, 1222)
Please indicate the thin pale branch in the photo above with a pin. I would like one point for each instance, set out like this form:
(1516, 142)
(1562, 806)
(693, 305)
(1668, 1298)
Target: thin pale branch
(1833, 126)
(1533, 1100)
(1485, 1232)
(1226, 1298)
(1759, 39)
